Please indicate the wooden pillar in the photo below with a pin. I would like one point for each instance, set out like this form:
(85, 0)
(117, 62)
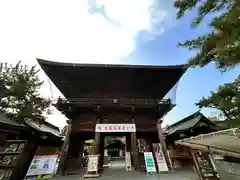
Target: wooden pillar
(81, 151)
(134, 149)
(128, 143)
(64, 150)
(101, 151)
(163, 144)
(81, 148)
(147, 145)
(196, 165)
(97, 139)
(25, 158)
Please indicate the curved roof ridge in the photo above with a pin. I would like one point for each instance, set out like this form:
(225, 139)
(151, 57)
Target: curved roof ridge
(187, 118)
(48, 62)
(109, 80)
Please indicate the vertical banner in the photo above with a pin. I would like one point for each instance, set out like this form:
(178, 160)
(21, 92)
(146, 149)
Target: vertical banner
(42, 167)
(161, 161)
(162, 165)
(149, 162)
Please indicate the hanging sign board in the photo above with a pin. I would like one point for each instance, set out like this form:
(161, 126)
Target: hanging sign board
(42, 167)
(128, 161)
(115, 128)
(149, 162)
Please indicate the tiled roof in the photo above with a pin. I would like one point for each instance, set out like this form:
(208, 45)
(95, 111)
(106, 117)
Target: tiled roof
(187, 123)
(118, 81)
(5, 120)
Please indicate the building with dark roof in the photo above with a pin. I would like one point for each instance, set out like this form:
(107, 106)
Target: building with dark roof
(22, 142)
(187, 127)
(113, 95)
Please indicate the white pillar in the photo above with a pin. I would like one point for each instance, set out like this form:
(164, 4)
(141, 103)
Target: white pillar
(105, 152)
(121, 153)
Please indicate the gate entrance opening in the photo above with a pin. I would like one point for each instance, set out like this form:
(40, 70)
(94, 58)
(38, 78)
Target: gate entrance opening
(114, 152)
(119, 151)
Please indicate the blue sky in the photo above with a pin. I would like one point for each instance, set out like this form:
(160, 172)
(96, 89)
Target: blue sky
(127, 32)
(196, 82)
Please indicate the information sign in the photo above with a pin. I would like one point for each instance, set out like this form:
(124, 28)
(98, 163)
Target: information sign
(149, 162)
(42, 167)
(161, 162)
(93, 163)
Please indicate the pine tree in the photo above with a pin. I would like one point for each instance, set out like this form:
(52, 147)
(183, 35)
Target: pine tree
(19, 96)
(226, 99)
(221, 46)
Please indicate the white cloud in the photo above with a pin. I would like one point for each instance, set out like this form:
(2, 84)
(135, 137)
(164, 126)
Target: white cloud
(63, 30)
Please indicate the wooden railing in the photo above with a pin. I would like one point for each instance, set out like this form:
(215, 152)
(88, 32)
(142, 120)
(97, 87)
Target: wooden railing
(126, 102)
(9, 156)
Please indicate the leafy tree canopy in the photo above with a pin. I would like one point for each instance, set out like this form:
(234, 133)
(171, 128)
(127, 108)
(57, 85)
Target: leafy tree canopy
(222, 45)
(226, 99)
(19, 97)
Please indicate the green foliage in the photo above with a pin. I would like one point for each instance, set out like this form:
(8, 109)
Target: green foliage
(19, 97)
(226, 99)
(222, 45)
(91, 146)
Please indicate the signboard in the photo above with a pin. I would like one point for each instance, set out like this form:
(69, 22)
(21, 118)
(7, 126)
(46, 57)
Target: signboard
(128, 161)
(161, 162)
(42, 167)
(93, 163)
(149, 162)
(115, 128)
(92, 169)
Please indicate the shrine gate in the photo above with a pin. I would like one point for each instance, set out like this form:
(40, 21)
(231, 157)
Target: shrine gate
(127, 100)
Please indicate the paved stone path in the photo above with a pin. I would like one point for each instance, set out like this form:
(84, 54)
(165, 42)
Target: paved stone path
(121, 174)
(116, 171)
(117, 174)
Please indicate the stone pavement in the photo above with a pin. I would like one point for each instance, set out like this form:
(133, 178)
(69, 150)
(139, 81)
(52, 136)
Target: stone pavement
(116, 171)
(121, 174)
